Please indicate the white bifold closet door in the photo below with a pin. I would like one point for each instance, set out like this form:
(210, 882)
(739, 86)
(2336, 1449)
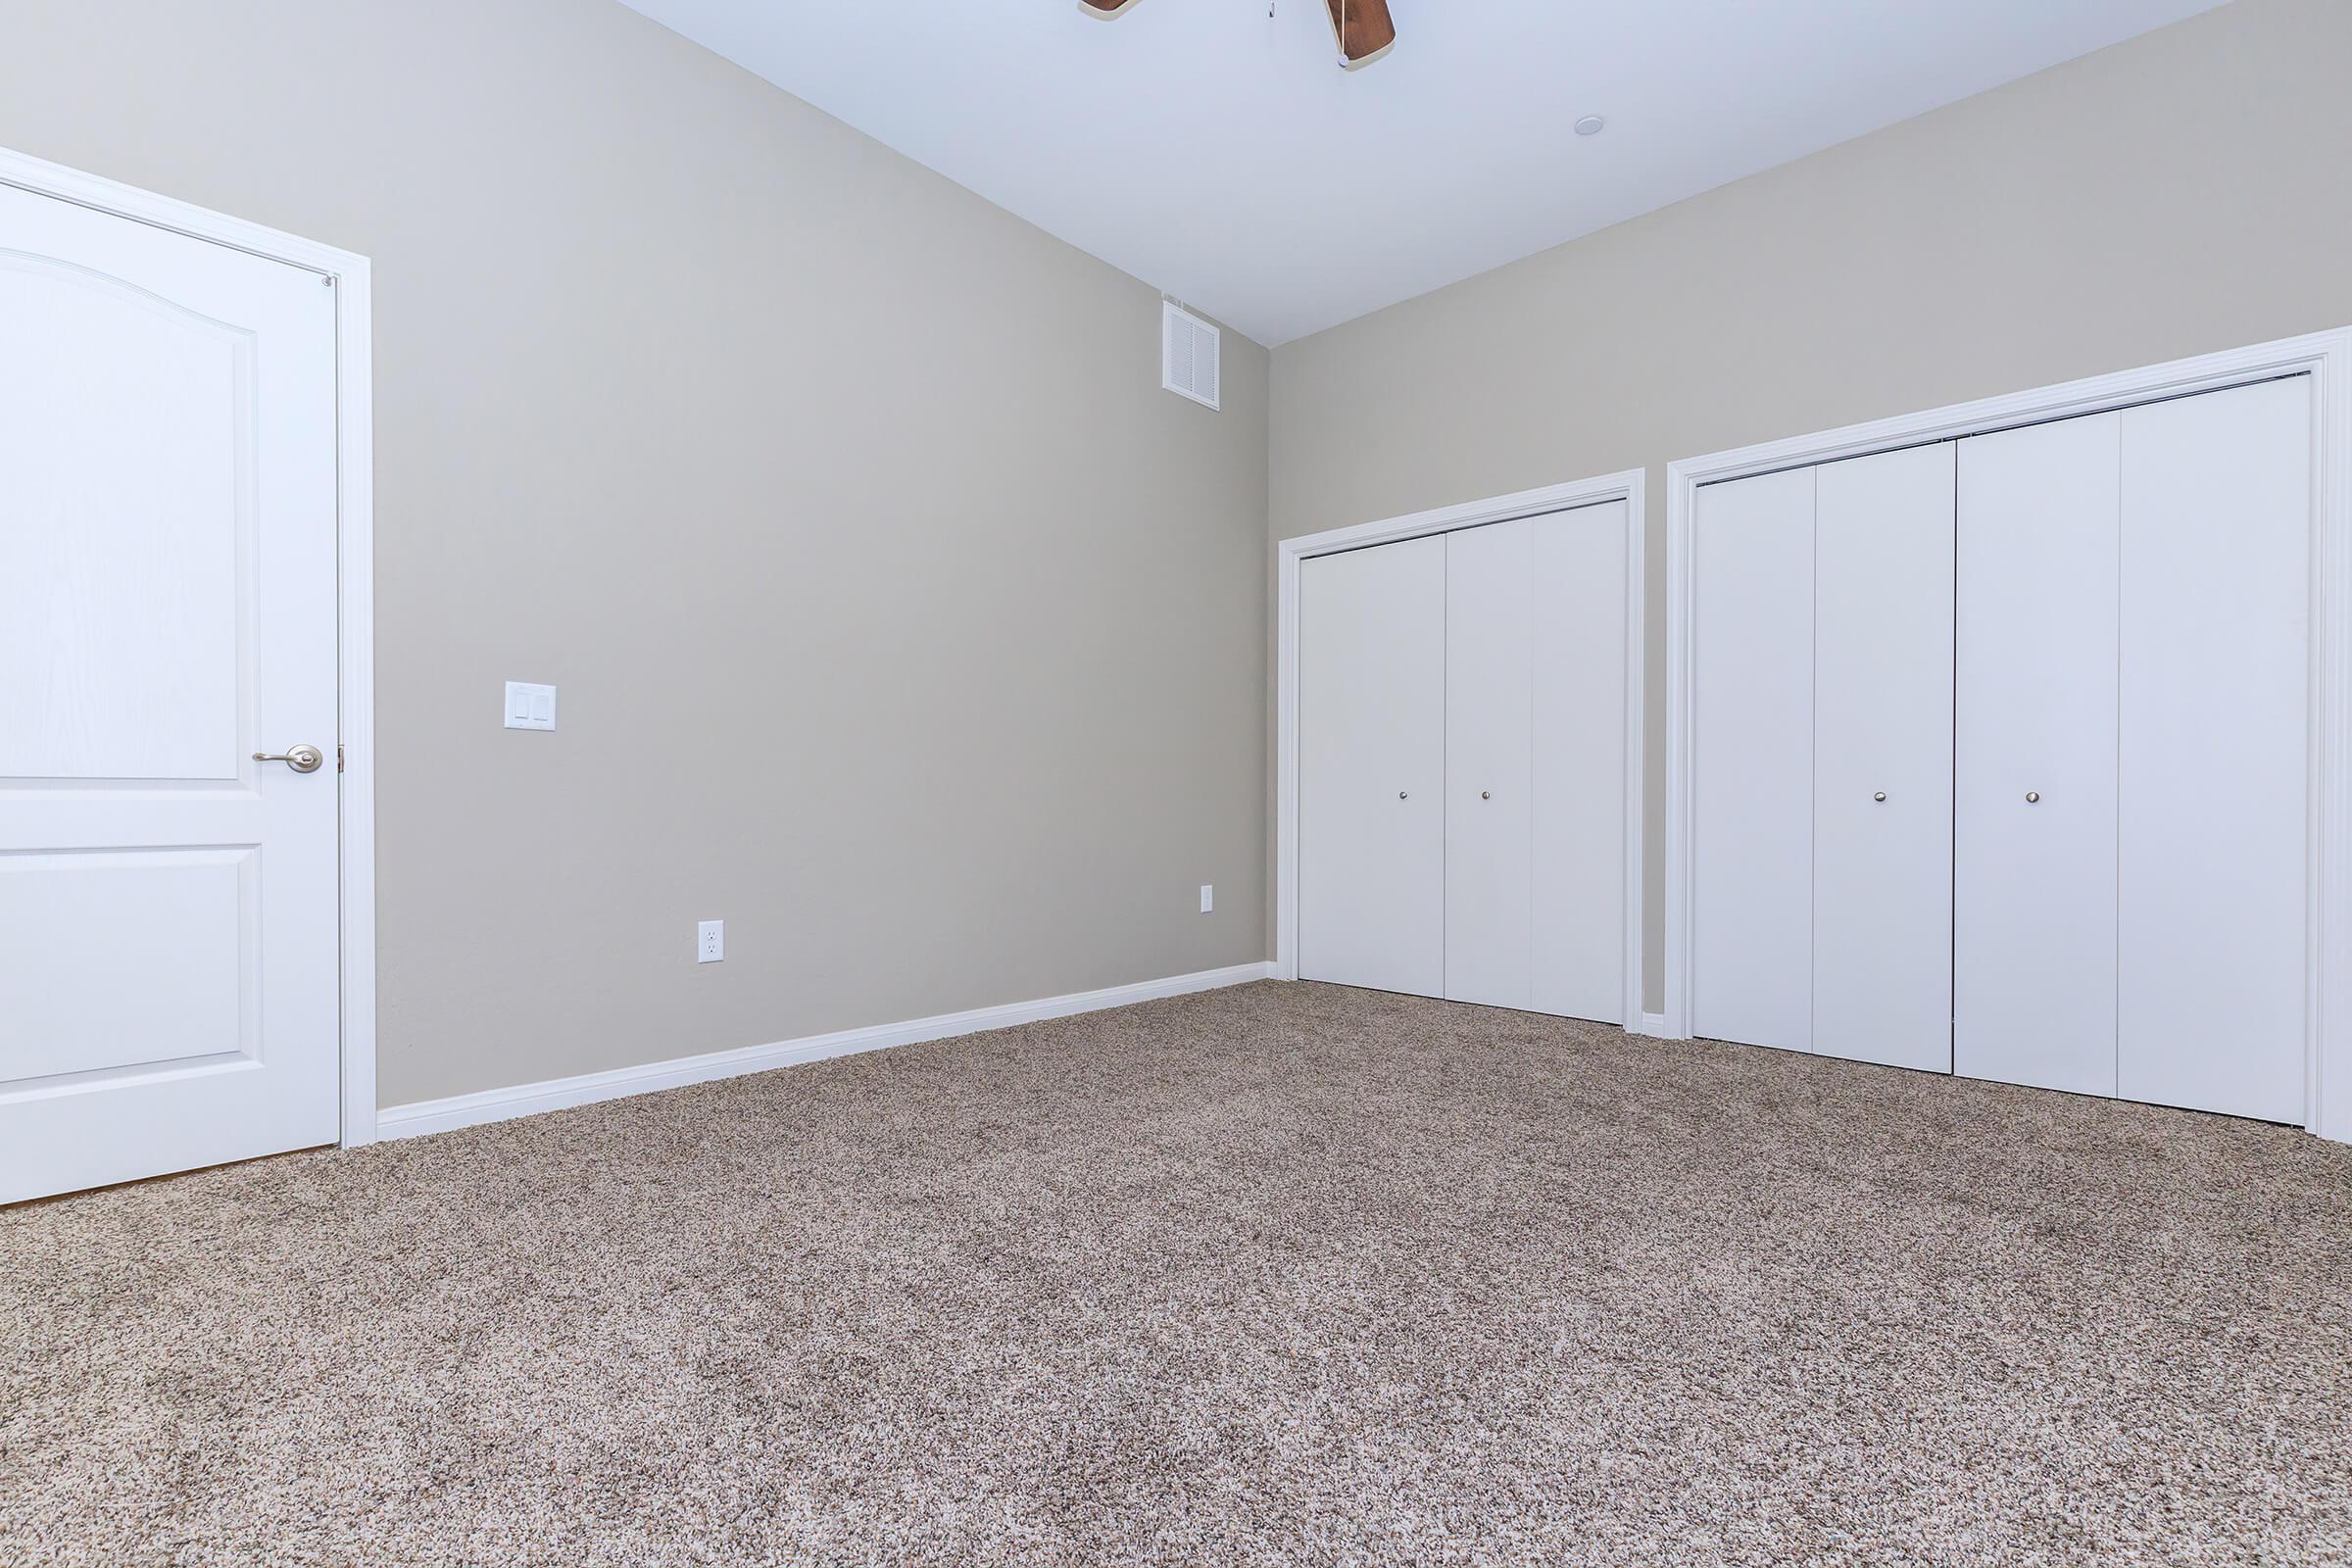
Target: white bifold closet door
(1535, 762)
(2214, 751)
(1823, 682)
(1462, 762)
(2133, 669)
(1581, 581)
(1883, 759)
(2033, 839)
(1372, 767)
(1490, 764)
(1751, 909)
(2001, 757)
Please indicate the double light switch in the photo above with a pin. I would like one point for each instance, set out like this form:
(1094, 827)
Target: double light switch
(530, 706)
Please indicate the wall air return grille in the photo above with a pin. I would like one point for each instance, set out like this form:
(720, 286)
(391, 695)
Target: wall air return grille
(1188, 353)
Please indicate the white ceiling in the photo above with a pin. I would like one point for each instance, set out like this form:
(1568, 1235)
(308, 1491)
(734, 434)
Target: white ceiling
(1223, 156)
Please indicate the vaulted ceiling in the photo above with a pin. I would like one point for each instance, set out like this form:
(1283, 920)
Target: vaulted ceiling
(1220, 153)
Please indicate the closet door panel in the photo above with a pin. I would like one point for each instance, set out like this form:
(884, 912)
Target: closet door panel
(1372, 767)
(2216, 753)
(2035, 830)
(1579, 762)
(1752, 908)
(1883, 759)
(1490, 616)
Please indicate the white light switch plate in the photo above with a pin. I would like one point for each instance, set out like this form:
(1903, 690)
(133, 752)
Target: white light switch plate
(530, 706)
(710, 941)
(1208, 898)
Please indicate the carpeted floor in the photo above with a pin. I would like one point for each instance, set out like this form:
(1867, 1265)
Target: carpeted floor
(1278, 1275)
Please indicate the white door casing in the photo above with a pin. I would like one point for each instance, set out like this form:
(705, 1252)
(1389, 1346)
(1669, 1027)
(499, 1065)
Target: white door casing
(1883, 759)
(169, 584)
(1372, 767)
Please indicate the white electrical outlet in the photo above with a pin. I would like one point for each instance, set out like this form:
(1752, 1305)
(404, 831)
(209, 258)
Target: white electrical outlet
(710, 942)
(530, 706)
(1208, 897)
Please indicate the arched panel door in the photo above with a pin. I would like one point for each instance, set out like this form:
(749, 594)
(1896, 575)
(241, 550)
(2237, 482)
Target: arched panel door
(168, 901)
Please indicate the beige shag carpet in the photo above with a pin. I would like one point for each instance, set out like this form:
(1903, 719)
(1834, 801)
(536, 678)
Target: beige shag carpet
(1278, 1275)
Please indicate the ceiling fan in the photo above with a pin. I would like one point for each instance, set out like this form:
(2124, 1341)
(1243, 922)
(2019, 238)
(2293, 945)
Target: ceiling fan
(1363, 25)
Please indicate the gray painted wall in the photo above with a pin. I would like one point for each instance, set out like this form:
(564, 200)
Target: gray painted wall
(2183, 192)
(900, 620)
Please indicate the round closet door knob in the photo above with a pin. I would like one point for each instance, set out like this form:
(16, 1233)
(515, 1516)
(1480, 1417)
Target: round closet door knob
(1486, 795)
(1881, 795)
(2033, 797)
(1400, 795)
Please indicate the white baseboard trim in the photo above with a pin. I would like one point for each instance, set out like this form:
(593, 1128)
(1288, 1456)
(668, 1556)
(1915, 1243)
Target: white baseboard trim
(555, 1094)
(1653, 1024)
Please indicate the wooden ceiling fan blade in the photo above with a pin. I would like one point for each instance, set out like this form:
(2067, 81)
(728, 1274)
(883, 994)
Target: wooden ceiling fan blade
(1363, 26)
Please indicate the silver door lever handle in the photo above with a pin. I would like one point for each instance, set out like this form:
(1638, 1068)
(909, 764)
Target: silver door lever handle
(304, 758)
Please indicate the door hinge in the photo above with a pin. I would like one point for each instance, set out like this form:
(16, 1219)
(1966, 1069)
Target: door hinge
(338, 756)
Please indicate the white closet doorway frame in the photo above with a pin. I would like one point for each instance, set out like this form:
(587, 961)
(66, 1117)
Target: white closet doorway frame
(2326, 358)
(355, 568)
(1630, 487)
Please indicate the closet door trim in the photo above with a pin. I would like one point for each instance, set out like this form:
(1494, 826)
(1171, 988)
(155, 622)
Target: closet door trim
(1629, 486)
(2326, 358)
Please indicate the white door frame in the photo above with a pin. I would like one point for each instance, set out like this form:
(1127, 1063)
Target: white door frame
(1630, 487)
(2327, 358)
(355, 567)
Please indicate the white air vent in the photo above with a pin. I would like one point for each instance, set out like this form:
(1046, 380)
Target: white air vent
(1188, 353)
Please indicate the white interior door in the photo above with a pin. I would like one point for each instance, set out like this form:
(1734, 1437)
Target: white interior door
(1751, 907)
(1490, 737)
(2216, 757)
(2035, 830)
(1579, 571)
(1883, 759)
(1372, 767)
(168, 905)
